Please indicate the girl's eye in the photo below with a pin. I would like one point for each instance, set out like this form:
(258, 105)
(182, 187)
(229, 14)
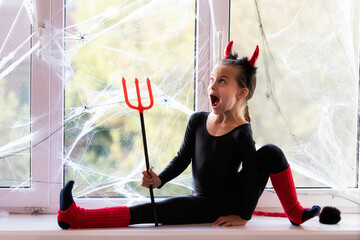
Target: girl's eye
(221, 81)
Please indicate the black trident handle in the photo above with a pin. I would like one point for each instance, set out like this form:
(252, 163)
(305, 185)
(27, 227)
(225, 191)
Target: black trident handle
(148, 167)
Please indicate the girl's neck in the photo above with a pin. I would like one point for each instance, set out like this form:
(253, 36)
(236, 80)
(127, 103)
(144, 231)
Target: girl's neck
(228, 118)
(220, 124)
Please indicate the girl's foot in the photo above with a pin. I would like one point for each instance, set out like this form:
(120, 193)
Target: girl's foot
(66, 200)
(308, 214)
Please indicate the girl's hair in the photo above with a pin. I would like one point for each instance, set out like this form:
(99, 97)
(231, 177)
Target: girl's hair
(245, 78)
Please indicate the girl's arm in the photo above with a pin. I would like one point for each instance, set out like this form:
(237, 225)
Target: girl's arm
(184, 155)
(249, 178)
(249, 175)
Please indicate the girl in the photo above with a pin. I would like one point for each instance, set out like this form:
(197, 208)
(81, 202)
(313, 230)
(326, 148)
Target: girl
(216, 143)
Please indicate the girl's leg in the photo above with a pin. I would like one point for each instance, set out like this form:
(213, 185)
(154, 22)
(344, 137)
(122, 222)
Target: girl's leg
(273, 161)
(179, 210)
(72, 216)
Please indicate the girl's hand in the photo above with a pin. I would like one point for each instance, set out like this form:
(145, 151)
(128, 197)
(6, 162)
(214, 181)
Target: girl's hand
(231, 220)
(151, 179)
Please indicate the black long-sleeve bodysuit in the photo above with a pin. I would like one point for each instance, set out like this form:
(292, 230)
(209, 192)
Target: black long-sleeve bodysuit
(219, 188)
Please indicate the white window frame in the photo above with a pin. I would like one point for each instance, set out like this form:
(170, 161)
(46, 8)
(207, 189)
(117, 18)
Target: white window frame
(46, 108)
(48, 102)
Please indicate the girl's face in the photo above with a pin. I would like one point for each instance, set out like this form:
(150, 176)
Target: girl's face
(224, 91)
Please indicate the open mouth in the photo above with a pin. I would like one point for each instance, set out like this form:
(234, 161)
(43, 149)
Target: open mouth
(214, 101)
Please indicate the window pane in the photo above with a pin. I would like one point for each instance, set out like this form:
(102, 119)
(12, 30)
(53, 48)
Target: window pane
(108, 40)
(14, 94)
(306, 100)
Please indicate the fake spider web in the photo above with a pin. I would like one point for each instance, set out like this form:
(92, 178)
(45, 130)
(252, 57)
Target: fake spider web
(306, 100)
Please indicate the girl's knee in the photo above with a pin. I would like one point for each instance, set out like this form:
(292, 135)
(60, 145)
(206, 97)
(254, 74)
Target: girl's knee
(270, 150)
(272, 157)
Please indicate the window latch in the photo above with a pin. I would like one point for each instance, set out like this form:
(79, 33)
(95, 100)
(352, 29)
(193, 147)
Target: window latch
(35, 210)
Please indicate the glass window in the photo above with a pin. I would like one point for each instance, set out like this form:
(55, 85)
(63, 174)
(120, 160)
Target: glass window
(306, 100)
(15, 80)
(108, 40)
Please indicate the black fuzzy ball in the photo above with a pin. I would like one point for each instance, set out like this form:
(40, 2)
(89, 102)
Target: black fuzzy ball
(330, 215)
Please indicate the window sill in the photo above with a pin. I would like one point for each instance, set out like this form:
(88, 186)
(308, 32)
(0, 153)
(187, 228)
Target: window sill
(21, 226)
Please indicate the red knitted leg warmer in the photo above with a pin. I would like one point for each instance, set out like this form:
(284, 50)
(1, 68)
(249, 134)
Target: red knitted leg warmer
(108, 217)
(284, 186)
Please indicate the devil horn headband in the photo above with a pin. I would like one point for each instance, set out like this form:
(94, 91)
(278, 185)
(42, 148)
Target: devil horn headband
(252, 60)
(254, 56)
(228, 50)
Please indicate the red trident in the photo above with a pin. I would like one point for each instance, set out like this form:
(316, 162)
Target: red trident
(141, 108)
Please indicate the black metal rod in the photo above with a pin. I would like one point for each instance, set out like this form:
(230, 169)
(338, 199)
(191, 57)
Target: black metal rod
(148, 166)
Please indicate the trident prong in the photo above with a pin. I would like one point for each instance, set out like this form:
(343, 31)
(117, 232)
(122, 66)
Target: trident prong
(140, 107)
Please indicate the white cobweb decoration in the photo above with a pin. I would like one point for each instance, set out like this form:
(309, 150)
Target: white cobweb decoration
(306, 100)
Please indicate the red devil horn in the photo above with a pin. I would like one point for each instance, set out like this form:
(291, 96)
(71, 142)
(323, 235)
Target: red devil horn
(254, 57)
(228, 50)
